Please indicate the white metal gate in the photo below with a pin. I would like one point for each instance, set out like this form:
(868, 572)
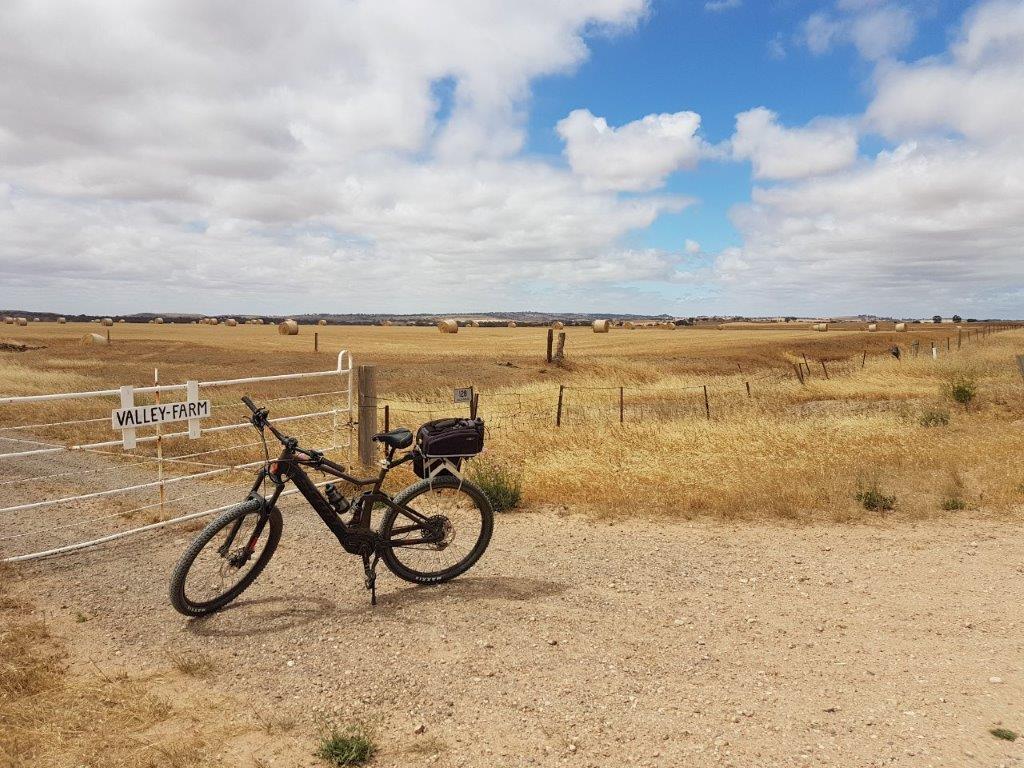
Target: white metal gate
(62, 489)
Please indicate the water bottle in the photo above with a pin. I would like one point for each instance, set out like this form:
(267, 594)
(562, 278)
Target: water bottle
(337, 499)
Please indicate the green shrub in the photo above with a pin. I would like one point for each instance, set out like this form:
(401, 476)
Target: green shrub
(502, 485)
(873, 500)
(934, 417)
(1004, 733)
(963, 390)
(350, 745)
(953, 504)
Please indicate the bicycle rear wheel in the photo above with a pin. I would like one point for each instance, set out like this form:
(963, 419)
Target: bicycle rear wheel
(458, 510)
(225, 558)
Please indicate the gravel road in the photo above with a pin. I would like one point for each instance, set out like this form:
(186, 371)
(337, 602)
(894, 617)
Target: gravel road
(583, 643)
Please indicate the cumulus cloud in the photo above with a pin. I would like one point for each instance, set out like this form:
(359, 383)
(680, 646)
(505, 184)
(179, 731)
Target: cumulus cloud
(934, 223)
(635, 156)
(715, 6)
(303, 146)
(777, 152)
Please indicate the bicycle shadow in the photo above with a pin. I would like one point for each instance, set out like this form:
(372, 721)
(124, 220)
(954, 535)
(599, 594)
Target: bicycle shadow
(467, 589)
(262, 616)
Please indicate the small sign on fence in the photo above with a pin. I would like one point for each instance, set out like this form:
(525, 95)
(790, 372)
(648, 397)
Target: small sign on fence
(463, 395)
(149, 415)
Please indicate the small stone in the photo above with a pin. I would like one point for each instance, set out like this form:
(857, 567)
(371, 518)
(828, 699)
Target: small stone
(995, 680)
(421, 728)
(552, 642)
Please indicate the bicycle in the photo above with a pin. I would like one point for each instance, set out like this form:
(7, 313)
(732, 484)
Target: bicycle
(421, 537)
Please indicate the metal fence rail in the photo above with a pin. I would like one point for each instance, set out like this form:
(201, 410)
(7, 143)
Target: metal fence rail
(65, 488)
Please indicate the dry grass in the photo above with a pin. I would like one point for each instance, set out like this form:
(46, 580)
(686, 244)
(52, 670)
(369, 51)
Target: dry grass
(788, 451)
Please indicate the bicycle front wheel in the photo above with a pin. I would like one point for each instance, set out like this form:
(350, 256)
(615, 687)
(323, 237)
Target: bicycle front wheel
(225, 558)
(459, 527)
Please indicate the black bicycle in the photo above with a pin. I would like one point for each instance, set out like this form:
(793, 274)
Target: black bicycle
(431, 532)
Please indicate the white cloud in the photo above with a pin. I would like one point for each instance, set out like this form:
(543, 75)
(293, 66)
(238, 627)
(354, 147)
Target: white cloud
(877, 31)
(692, 247)
(299, 146)
(933, 225)
(635, 156)
(777, 152)
(716, 6)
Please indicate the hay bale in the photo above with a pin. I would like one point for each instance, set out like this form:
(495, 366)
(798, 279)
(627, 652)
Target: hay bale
(94, 338)
(872, 327)
(602, 326)
(511, 324)
(20, 321)
(158, 321)
(667, 326)
(61, 320)
(821, 327)
(288, 328)
(900, 327)
(36, 320)
(8, 320)
(107, 322)
(558, 325)
(474, 323)
(321, 322)
(231, 322)
(629, 325)
(447, 326)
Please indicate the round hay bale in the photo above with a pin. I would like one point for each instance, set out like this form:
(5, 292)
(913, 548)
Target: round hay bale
(720, 327)
(602, 326)
(8, 320)
(321, 322)
(288, 328)
(20, 321)
(122, 320)
(872, 327)
(94, 338)
(474, 323)
(158, 321)
(821, 327)
(629, 325)
(106, 322)
(900, 327)
(61, 320)
(668, 326)
(231, 322)
(558, 325)
(35, 320)
(448, 326)
(511, 324)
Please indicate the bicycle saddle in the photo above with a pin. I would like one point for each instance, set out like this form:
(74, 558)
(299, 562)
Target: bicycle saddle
(396, 438)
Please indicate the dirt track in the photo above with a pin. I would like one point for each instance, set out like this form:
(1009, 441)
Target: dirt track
(591, 644)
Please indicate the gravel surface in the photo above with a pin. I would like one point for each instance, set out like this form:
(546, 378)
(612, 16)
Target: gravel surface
(584, 643)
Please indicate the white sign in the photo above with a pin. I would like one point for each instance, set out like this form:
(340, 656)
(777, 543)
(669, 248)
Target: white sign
(149, 415)
(463, 395)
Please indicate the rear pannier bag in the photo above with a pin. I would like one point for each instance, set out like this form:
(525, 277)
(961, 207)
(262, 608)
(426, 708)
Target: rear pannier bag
(446, 439)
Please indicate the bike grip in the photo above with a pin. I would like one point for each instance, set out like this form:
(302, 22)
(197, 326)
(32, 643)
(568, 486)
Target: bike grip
(249, 404)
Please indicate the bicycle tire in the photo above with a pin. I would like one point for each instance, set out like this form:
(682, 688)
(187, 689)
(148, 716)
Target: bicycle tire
(180, 600)
(481, 502)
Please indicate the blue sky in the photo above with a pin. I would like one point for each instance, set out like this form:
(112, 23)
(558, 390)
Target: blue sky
(787, 157)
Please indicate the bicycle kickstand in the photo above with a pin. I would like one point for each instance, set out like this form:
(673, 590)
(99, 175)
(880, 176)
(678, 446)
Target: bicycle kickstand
(370, 572)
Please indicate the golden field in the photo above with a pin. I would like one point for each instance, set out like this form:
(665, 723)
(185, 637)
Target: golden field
(788, 450)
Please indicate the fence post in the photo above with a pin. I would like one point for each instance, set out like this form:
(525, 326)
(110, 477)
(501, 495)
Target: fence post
(551, 339)
(799, 372)
(959, 337)
(474, 405)
(1020, 364)
(806, 365)
(387, 418)
(707, 403)
(367, 412)
(824, 369)
(622, 405)
(316, 341)
(864, 359)
(159, 446)
(108, 335)
(748, 389)
(558, 413)
(560, 349)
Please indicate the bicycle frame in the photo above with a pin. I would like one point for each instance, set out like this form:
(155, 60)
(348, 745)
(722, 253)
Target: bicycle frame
(358, 537)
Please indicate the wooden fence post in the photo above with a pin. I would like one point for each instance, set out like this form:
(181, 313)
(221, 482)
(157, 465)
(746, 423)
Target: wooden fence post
(1020, 364)
(748, 389)
(367, 382)
(824, 369)
(316, 341)
(551, 339)
(622, 405)
(959, 338)
(108, 335)
(387, 418)
(864, 359)
(707, 403)
(474, 405)
(799, 372)
(558, 413)
(560, 349)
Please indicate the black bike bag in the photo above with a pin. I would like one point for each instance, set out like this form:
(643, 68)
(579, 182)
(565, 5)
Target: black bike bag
(449, 440)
